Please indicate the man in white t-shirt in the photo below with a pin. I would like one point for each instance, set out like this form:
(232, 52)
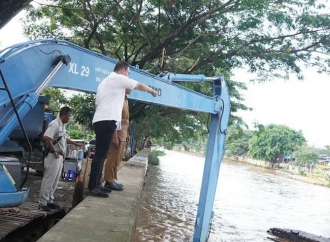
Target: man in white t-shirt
(109, 102)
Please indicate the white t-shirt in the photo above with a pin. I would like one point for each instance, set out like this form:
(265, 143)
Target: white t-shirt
(110, 97)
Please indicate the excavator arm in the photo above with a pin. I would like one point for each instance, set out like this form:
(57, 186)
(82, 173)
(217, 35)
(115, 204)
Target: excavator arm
(27, 68)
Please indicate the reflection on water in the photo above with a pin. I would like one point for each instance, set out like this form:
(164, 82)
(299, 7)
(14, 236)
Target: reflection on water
(249, 201)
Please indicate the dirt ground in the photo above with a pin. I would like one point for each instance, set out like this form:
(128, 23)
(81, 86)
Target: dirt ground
(64, 191)
(63, 194)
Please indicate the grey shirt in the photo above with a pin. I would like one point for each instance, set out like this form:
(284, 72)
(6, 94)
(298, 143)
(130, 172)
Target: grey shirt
(56, 129)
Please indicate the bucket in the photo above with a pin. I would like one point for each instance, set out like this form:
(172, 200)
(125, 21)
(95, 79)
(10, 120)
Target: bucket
(70, 175)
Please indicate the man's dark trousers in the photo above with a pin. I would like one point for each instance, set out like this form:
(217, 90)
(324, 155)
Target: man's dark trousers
(104, 131)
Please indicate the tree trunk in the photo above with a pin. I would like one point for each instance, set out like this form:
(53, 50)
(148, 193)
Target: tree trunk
(9, 8)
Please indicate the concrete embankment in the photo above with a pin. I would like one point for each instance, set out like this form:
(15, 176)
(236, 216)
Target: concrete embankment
(307, 179)
(106, 219)
(287, 170)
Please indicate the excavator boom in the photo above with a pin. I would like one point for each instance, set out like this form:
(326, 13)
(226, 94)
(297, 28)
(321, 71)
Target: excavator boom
(25, 65)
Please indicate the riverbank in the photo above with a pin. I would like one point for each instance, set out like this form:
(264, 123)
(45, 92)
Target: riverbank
(287, 170)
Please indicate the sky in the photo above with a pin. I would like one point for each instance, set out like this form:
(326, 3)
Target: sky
(300, 105)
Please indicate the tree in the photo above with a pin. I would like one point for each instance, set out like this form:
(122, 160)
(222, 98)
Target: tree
(237, 141)
(9, 8)
(273, 141)
(76, 134)
(83, 108)
(169, 126)
(305, 155)
(270, 37)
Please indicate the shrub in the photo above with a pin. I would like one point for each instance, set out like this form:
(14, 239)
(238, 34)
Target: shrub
(153, 158)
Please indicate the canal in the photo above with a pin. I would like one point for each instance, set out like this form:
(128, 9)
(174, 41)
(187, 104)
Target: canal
(249, 201)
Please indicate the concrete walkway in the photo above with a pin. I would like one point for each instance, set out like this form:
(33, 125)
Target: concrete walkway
(106, 219)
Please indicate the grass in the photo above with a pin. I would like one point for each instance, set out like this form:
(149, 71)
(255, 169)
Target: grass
(158, 152)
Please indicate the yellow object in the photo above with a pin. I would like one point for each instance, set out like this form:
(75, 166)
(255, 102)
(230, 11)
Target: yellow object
(12, 180)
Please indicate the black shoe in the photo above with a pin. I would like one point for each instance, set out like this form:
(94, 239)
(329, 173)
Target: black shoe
(43, 207)
(113, 186)
(96, 192)
(53, 206)
(105, 189)
(119, 184)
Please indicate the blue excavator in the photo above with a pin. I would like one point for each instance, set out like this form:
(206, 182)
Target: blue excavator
(27, 68)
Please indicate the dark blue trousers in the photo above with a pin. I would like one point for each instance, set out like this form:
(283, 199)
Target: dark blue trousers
(104, 131)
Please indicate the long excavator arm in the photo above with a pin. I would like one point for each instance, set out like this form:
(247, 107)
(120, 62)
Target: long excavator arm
(26, 65)
(29, 67)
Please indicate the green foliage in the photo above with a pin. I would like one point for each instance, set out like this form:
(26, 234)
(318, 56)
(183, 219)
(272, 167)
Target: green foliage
(186, 36)
(159, 152)
(76, 134)
(237, 141)
(90, 136)
(197, 145)
(153, 158)
(83, 108)
(305, 155)
(273, 141)
(75, 131)
(168, 126)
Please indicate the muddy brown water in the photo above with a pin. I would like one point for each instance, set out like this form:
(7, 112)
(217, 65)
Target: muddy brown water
(249, 201)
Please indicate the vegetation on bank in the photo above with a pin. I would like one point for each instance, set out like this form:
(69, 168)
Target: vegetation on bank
(318, 175)
(274, 143)
(153, 157)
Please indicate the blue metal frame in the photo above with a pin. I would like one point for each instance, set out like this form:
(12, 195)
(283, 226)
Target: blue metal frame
(9, 196)
(29, 67)
(214, 154)
(25, 65)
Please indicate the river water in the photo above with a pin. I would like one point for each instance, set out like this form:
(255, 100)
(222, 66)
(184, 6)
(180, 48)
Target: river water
(249, 201)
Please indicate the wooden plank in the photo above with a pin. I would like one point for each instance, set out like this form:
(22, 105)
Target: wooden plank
(302, 235)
